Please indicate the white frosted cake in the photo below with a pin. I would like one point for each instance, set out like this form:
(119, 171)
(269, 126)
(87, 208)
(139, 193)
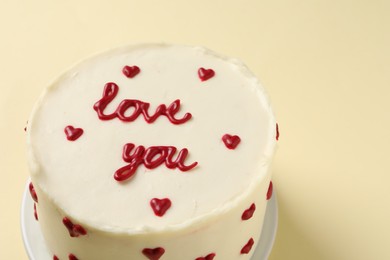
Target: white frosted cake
(152, 152)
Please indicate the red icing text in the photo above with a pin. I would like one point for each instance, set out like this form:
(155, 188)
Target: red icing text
(151, 158)
(138, 107)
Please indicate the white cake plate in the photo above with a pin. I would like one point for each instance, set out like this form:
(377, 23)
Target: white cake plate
(37, 250)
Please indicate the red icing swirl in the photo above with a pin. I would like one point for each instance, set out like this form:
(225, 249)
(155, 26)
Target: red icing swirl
(139, 107)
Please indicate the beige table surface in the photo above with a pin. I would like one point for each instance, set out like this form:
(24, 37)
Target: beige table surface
(326, 65)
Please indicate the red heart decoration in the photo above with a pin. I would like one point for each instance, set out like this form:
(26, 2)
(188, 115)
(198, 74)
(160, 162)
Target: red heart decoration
(32, 192)
(153, 253)
(72, 133)
(247, 248)
(75, 230)
(249, 212)
(160, 206)
(205, 74)
(231, 141)
(55, 257)
(208, 257)
(72, 257)
(35, 212)
(270, 190)
(131, 72)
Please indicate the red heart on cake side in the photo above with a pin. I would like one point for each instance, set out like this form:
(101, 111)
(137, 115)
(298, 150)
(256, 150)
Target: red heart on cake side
(32, 192)
(72, 133)
(231, 141)
(131, 71)
(205, 74)
(160, 206)
(208, 257)
(72, 257)
(247, 248)
(270, 190)
(153, 253)
(248, 213)
(75, 230)
(35, 212)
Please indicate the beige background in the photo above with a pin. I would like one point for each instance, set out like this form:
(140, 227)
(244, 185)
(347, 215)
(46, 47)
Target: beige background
(326, 65)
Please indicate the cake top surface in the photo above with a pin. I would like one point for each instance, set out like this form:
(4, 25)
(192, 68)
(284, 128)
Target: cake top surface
(100, 150)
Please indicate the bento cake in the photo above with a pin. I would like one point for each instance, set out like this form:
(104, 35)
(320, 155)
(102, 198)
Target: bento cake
(152, 152)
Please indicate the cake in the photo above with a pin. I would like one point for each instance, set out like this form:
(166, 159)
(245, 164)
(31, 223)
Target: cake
(152, 152)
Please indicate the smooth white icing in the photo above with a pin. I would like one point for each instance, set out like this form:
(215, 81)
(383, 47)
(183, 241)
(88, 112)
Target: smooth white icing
(77, 177)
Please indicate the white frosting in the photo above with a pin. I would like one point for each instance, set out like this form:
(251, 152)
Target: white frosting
(77, 177)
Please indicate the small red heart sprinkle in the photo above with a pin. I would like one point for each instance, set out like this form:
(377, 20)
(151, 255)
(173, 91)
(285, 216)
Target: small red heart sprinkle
(277, 132)
(247, 248)
(208, 257)
(249, 212)
(35, 212)
(270, 190)
(55, 257)
(75, 230)
(153, 253)
(231, 141)
(72, 133)
(32, 192)
(160, 206)
(131, 72)
(205, 74)
(72, 257)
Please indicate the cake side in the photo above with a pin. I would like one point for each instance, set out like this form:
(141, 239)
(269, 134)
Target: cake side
(227, 235)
